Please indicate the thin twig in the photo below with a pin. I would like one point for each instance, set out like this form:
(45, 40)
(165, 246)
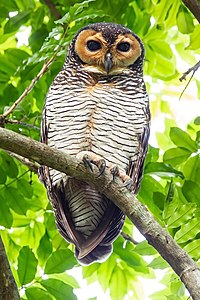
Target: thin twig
(192, 69)
(21, 123)
(33, 167)
(128, 238)
(183, 77)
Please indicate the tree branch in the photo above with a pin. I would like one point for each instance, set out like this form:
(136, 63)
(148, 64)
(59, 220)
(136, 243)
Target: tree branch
(8, 287)
(194, 7)
(177, 258)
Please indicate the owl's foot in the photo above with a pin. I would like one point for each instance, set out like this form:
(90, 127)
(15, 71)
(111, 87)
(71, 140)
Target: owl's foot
(91, 159)
(127, 181)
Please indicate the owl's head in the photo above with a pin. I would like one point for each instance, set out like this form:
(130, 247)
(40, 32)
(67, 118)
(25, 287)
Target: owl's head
(106, 48)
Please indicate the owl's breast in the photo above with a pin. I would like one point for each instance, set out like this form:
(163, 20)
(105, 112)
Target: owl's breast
(100, 118)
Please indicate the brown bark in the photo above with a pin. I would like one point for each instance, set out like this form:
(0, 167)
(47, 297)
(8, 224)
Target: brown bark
(179, 260)
(8, 287)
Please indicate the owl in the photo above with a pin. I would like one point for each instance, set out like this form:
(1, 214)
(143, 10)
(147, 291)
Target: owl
(96, 109)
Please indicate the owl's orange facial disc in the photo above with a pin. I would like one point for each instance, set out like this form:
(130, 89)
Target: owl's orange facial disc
(101, 56)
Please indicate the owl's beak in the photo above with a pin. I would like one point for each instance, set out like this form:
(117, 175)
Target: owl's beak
(108, 62)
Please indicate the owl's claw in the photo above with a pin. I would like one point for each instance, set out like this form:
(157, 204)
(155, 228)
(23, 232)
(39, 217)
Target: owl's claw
(87, 162)
(129, 184)
(101, 166)
(100, 163)
(114, 171)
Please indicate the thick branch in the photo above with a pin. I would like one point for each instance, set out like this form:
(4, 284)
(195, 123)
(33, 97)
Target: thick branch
(194, 7)
(8, 287)
(178, 259)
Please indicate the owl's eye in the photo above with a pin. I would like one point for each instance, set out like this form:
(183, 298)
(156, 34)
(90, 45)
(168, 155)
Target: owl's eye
(124, 47)
(93, 45)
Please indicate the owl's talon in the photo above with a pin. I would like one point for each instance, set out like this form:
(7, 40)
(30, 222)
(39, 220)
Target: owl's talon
(101, 166)
(87, 162)
(129, 184)
(114, 171)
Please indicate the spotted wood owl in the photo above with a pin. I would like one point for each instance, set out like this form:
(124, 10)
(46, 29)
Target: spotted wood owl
(97, 109)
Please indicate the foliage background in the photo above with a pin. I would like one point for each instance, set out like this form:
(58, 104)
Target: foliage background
(39, 257)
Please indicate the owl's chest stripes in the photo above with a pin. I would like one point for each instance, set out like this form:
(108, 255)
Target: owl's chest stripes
(102, 119)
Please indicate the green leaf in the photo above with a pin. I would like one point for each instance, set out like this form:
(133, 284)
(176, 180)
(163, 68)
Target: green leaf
(15, 200)
(181, 215)
(104, 272)
(25, 188)
(9, 166)
(188, 231)
(66, 279)
(58, 289)
(158, 263)
(27, 265)
(194, 39)
(176, 156)
(143, 248)
(20, 220)
(3, 176)
(162, 170)
(182, 139)
(191, 169)
(191, 191)
(45, 248)
(193, 249)
(15, 22)
(197, 121)
(184, 20)
(35, 293)
(60, 261)
(6, 218)
(118, 284)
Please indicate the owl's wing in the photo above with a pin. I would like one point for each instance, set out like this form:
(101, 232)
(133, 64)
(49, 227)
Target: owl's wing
(135, 168)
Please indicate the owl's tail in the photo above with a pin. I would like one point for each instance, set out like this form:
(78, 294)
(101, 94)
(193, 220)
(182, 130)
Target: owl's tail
(86, 218)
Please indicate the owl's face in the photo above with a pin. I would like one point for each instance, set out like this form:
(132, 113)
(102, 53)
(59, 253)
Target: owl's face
(106, 48)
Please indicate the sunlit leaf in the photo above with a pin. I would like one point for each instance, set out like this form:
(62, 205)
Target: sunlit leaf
(143, 248)
(176, 156)
(118, 284)
(182, 139)
(60, 261)
(162, 170)
(188, 231)
(35, 293)
(184, 21)
(158, 263)
(191, 191)
(27, 265)
(181, 215)
(194, 39)
(6, 218)
(58, 289)
(193, 249)
(44, 249)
